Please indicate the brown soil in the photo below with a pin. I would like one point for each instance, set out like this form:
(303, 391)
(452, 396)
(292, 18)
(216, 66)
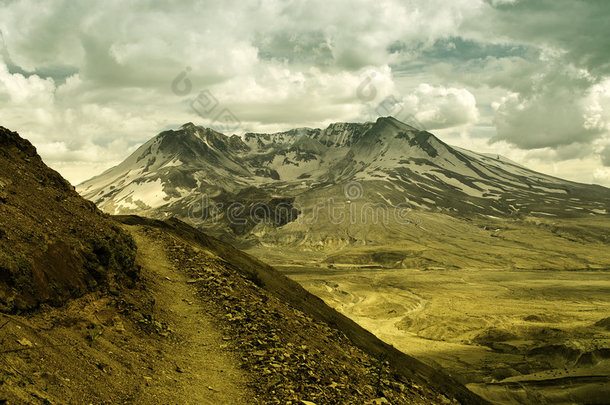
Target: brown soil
(211, 374)
(296, 346)
(154, 345)
(289, 355)
(196, 332)
(54, 245)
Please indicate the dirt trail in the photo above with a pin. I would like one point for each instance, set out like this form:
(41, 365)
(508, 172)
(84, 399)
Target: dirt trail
(209, 374)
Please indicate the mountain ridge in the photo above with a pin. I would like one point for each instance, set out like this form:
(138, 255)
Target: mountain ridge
(390, 163)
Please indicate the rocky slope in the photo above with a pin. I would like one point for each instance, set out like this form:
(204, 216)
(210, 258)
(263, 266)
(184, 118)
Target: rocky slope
(293, 346)
(53, 244)
(262, 182)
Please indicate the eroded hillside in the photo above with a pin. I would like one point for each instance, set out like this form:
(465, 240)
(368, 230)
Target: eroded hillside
(54, 244)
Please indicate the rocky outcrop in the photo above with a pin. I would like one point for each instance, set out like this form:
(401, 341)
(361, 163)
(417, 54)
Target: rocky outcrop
(53, 243)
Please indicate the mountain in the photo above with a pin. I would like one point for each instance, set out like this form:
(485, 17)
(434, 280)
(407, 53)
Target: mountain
(144, 311)
(475, 262)
(259, 183)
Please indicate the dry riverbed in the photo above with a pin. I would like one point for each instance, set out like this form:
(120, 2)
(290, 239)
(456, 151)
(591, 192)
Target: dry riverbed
(511, 336)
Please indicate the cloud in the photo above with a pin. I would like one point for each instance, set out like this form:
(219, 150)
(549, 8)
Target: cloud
(561, 107)
(217, 40)
(274, 94)
(574, 28)
(440, 107)
(21, 90)
(501, 2)
(86, 94)
(605, 156)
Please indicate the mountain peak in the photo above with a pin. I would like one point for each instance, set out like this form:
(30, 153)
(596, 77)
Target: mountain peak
(399, 125)
(9, 138)
(188, 125)
(340, 134)
(192, 139)
(389, 118)
(413, 165)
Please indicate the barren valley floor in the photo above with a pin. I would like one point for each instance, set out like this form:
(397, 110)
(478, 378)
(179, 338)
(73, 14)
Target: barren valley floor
(512, 336)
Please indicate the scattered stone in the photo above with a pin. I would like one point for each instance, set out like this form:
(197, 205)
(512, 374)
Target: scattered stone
(288, 354)
(24, 342)
(118, 326)
(377, 401)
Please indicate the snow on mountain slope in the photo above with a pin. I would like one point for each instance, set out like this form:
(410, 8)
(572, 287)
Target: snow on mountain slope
(393, 163)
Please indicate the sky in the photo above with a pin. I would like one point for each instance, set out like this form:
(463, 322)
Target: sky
(87, 82)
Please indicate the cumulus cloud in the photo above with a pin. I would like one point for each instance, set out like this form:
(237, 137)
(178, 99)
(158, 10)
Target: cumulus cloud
(21, 90)
(86, 95)
(574, 28)
(440, 107)
(560, 107)
(273, 97)
(605, 156)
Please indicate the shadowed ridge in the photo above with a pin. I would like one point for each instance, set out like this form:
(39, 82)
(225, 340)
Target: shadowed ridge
(21, 151)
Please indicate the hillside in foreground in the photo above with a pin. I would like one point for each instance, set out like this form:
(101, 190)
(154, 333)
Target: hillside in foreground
(54, 245)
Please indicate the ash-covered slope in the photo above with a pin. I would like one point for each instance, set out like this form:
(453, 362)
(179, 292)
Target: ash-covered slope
(54, 244)
(198, 173)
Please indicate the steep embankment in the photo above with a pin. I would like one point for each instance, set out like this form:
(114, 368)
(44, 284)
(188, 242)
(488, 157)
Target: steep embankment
(200, 331)
(110, 335)
(53, 243)
(152, 345)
